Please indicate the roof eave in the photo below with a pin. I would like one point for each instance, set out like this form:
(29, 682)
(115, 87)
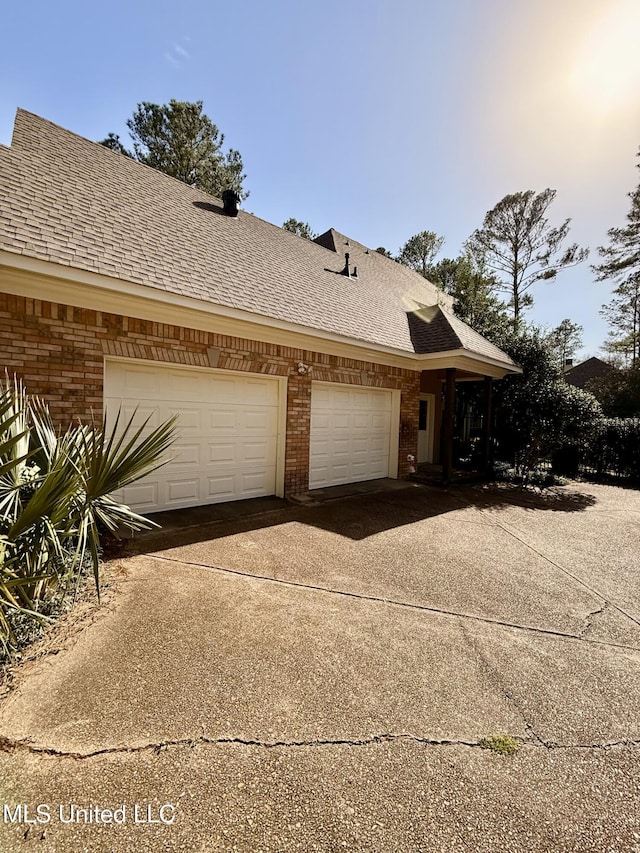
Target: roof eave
(75, 277)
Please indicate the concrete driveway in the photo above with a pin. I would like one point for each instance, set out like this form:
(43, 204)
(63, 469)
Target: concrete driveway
(321, 678)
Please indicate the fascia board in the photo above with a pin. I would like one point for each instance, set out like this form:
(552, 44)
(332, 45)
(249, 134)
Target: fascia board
(21, 275)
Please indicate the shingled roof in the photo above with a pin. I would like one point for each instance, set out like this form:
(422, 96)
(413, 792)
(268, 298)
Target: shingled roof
(593, 368)
(78, 204)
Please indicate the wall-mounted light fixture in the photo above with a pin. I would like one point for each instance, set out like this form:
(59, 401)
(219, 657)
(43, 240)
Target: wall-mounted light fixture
(304, 368)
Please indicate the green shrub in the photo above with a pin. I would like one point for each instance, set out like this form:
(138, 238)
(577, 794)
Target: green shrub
(537, 412)
(615, 449)
(55, 498)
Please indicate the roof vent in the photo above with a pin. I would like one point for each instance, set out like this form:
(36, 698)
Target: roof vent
(346, 270)
(230, 202)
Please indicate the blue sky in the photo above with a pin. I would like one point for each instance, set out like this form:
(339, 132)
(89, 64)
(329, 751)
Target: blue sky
(380, 119)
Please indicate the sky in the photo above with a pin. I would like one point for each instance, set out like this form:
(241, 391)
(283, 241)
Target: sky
(380, 118)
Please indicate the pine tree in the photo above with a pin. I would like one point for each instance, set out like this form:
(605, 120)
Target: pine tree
(621, 264)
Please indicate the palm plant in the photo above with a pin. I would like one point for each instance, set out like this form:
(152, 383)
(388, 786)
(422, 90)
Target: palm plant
(55, 496)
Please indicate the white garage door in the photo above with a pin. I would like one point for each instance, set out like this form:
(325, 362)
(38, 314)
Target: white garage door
(350, 434)
(227, 426)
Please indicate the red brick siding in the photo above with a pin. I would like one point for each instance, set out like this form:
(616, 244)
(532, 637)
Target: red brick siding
(59, 352)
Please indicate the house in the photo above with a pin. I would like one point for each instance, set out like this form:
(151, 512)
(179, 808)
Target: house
(292, 365)
(581, 375)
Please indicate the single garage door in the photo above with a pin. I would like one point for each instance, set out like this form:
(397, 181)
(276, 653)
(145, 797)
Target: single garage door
(228, 432)
(350, 434)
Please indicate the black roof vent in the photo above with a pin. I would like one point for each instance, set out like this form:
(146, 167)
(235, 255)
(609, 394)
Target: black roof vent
(346, 270)
(230, 202)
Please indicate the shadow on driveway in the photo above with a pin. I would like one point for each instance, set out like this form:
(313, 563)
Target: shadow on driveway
(354, 516)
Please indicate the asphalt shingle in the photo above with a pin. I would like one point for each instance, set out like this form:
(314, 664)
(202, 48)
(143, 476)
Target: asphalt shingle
(78, 204)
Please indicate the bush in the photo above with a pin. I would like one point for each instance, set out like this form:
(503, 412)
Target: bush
(55, 499)
(614, 449)
(538, 413)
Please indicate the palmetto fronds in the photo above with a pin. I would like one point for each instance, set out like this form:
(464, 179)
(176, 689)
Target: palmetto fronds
(55, 496)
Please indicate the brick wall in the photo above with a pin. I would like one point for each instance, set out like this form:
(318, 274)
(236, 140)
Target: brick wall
(59, 352)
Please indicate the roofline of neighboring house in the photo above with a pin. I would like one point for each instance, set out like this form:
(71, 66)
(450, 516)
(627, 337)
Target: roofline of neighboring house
(70, 285)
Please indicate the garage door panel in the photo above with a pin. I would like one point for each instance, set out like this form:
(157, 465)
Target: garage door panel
(381, 422)
(340, 421)
(350, 435)
(143, 495)
(241, 389)
(242, 453)
(227, 427)
(320, 420)
(255, 420)
(242, 419)
(261, 452)
(181, 489)
(253, 482)
(138, 411)
(190, 418)
(221, 488)
(186, 454)
(222, 453)
(360, 447)
(222, 420)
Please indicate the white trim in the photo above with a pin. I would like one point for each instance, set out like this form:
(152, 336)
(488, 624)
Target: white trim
(69, 285)
(431, 425)
(282, 400)
(394, 443)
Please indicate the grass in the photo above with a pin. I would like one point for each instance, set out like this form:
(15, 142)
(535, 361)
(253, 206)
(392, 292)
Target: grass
(502, 744)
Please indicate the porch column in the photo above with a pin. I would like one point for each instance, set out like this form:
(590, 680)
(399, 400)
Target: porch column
(486, 424)
(449, 417)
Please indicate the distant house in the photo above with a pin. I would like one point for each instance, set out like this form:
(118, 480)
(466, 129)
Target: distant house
(582, 374)
(291, 364)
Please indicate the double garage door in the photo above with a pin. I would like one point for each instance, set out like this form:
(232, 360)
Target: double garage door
(231, 425)
(228, 432)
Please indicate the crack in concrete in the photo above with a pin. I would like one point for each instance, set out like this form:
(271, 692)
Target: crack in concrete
(10, 746)
(566, 571)
(590, 617)
(493, 676)
(564, 635)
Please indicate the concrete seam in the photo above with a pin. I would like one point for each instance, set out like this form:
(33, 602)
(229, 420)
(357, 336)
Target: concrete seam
(566, 571)
(395, 603)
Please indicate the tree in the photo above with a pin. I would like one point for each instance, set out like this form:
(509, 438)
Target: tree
(618, 392)
(420, 250)
(113, 142)
(475, 302)
(538, 413)
(302, 229)
(564, 340)
(622, 264)
(382, 251)
(521, 248)
(180, 140)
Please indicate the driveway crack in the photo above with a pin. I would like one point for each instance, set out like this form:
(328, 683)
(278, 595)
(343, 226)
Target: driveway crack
(11, 746)
(590, 617)
(494, 677)
(8, 745)
(510, 530)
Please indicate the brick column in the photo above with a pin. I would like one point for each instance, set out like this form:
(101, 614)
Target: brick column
(296, 466)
